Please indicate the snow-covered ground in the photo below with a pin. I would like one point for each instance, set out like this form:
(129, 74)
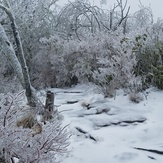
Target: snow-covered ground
(107, 130)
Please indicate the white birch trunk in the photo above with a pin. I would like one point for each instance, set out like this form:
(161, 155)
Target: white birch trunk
(20, 55)
(9, 52)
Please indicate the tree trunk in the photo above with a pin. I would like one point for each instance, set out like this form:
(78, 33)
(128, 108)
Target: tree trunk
(49, 105)
(10, 55)
(20, 55)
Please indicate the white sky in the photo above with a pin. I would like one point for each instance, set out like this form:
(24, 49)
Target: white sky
(156, 5)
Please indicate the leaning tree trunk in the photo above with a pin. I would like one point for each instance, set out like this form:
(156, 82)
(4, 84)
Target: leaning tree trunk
(20, 55)
(9, 52)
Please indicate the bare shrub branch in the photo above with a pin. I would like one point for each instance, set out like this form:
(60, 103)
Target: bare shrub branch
(17, 142)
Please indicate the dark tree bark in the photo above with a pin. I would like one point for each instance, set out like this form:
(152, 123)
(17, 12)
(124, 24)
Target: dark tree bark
(49, 105)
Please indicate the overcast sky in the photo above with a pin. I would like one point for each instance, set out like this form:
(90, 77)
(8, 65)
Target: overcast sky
(156, 5)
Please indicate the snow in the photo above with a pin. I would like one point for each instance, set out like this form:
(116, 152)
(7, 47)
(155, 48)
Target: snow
(113, 127)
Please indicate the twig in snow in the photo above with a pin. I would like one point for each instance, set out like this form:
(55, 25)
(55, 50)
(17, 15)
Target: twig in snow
(65, 110)
(71, 102)
(84, 132)
(150, 150)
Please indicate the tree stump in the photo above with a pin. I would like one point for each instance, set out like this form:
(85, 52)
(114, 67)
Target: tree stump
(49, 105)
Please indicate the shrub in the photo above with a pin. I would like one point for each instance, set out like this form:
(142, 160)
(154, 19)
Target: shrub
(156, 76)
(20, 144)
(135, 97)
